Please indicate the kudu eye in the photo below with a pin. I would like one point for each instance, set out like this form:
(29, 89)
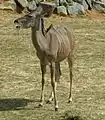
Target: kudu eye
(16, 21)
(30, 16)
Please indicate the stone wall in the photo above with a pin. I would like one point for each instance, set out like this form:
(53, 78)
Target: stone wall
(63, 7)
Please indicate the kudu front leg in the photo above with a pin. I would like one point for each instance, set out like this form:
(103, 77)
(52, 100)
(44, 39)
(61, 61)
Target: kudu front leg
(54, 84)
(43, 70)
(57, 77)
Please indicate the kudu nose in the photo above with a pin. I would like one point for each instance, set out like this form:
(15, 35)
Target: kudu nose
(17, 23)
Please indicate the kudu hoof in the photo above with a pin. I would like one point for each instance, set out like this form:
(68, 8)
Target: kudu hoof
(56, 109)
(70, 100)
(41, 105)
(48, 102)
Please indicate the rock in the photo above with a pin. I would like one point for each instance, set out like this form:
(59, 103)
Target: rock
(30, 4)
(103, 1)
(78, 1)
(57, 3)
(62, 10)
(17, 6)
(8, 5)
(24, 5)
(99, 6)
(86, 3)
(23, 2)
(89, 3)
(63, 2)
(70, 1)
(76, 9)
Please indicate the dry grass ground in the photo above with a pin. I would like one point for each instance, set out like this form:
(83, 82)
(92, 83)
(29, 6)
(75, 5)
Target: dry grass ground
(20, 76)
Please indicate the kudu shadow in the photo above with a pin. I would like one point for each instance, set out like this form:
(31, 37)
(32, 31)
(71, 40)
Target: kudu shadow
(14, 103)
(73, 118)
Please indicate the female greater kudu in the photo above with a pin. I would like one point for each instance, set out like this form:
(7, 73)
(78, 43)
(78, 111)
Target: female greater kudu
(51, 48)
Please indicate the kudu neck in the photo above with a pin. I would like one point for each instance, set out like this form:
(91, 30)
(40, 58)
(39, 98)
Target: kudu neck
(38, 37)
(39, 25)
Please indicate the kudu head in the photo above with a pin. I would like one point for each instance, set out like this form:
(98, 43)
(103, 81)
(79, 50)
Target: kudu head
(29, 20)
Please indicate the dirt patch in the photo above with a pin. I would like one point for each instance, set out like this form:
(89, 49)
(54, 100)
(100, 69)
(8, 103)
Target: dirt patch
(95, 14)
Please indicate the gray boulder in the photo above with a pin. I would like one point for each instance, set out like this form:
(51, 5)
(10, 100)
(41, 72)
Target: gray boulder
(24, 5)
(99, 6)
(76, 9)
(103, 1)
(61, 10)
(18, 5)
(78, 1)
(63, 2)
(23, 2)
(57, 3)
(87, 4)
(61, 6)
(31, 4)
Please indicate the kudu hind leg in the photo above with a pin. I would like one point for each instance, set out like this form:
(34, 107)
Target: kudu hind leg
(54, 83)
(43, 70)
(59, 72)
(71, 75)
(57, 77)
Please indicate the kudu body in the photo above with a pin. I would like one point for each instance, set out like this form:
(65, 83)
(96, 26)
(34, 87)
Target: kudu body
(51, 48)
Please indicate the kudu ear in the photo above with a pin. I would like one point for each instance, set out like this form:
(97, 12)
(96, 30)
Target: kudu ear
(37, 11)
(43, 10)
(47, 9)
